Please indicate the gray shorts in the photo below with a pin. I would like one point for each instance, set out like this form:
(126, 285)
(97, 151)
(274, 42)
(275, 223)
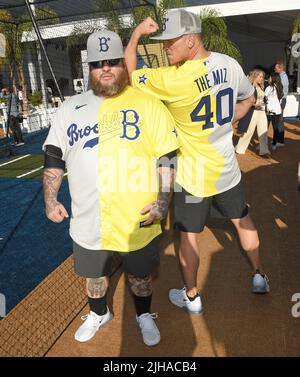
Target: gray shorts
(191, 215)
(97, 263)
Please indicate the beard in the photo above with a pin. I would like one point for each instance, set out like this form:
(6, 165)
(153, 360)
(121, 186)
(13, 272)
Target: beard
(110, 89)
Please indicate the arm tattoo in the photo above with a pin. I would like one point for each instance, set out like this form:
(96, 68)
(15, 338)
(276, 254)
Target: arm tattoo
(96, 288)
(166, 186)
(141, 287)
(51, 183)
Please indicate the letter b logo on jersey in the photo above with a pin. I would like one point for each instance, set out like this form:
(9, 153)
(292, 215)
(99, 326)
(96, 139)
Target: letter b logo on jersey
(103, 43)
(130, 121)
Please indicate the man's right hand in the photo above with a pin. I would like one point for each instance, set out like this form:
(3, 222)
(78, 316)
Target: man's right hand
(146, 27)
(57, 213)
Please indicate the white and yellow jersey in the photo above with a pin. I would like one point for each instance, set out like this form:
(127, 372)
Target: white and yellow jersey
(201, 95)
(111, 149)
(134, 131)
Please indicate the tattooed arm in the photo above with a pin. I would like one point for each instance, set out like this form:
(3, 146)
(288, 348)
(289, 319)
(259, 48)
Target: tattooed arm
(158, 210)
(55, 211)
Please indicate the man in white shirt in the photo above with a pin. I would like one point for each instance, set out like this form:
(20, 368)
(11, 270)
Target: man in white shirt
(280, 69)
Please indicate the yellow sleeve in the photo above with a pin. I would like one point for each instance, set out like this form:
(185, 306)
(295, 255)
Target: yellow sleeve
(161, 130)
(152, 81)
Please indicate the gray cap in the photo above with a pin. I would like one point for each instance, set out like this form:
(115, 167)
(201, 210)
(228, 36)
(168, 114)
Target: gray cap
(104, 45)
(178, 22)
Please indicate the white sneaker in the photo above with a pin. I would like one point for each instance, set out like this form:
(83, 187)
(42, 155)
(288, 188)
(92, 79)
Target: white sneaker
(150, 332)
(179, 298)
(280, 144)
(264, 153)
(260, 283)
(92, 323)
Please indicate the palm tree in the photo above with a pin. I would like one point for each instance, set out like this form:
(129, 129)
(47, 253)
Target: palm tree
(13, 30)
(214, 30)
(296, 25)
(9, 29)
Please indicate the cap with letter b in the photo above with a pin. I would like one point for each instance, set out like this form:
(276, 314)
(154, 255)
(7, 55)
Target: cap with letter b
(178, 22)
(104, 45)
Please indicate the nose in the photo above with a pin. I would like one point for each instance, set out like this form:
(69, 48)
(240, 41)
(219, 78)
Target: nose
(105, 67)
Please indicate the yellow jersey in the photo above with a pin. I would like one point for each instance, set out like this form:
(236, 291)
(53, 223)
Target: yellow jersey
(201, 95)
(135, 130)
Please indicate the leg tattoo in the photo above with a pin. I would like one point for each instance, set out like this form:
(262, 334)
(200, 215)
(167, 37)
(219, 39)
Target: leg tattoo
(141, 287)
(96, 288)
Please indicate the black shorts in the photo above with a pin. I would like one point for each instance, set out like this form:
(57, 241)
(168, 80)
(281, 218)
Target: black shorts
(192, 212)
(97, 263)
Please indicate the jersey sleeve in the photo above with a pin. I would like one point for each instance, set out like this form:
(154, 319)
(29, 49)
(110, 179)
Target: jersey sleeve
(56, 135)
(245, 89)
(162, 132)
(152, 81)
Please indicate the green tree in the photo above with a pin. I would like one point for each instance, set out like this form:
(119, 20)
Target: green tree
(215, 37)
(296, 25)
(13, 30)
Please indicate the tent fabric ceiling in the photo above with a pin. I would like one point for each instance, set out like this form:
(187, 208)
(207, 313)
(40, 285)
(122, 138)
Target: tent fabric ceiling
(274, 26)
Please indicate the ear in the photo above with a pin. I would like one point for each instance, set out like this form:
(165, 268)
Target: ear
(191, 41)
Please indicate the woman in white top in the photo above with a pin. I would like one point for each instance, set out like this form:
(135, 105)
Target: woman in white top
(259, 119)
(274, 93)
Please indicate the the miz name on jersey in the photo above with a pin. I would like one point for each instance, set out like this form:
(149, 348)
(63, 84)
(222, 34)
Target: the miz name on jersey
(217, 77)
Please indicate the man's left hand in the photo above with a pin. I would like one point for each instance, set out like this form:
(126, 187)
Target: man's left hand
(158, 211)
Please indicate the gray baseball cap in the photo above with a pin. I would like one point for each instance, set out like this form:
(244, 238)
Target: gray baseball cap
(104, 45)
(178, 22)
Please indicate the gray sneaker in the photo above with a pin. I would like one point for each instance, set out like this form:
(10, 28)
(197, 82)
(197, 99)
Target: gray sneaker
(149, 330)
(260, 283)
(179, 298)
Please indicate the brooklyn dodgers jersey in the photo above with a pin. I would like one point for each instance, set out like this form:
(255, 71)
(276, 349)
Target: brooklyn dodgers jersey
(110, 147)
(201, 95)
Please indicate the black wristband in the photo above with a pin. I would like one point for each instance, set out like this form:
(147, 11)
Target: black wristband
(53, 158)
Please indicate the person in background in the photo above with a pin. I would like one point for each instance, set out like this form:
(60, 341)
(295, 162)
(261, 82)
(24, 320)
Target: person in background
(274, 93)
(20, 97)
(280, 69)
(259, 119)
(14, 115)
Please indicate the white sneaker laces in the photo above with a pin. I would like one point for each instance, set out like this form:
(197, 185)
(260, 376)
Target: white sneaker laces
(90, 320)
(144, 320)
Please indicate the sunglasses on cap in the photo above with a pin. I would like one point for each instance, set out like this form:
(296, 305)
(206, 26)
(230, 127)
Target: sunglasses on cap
(109, 62)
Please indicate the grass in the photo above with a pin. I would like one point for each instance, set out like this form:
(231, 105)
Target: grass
(22, 166)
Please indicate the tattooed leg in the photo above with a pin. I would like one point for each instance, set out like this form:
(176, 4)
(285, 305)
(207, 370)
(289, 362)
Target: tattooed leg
(97, 288)
(141, 287)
